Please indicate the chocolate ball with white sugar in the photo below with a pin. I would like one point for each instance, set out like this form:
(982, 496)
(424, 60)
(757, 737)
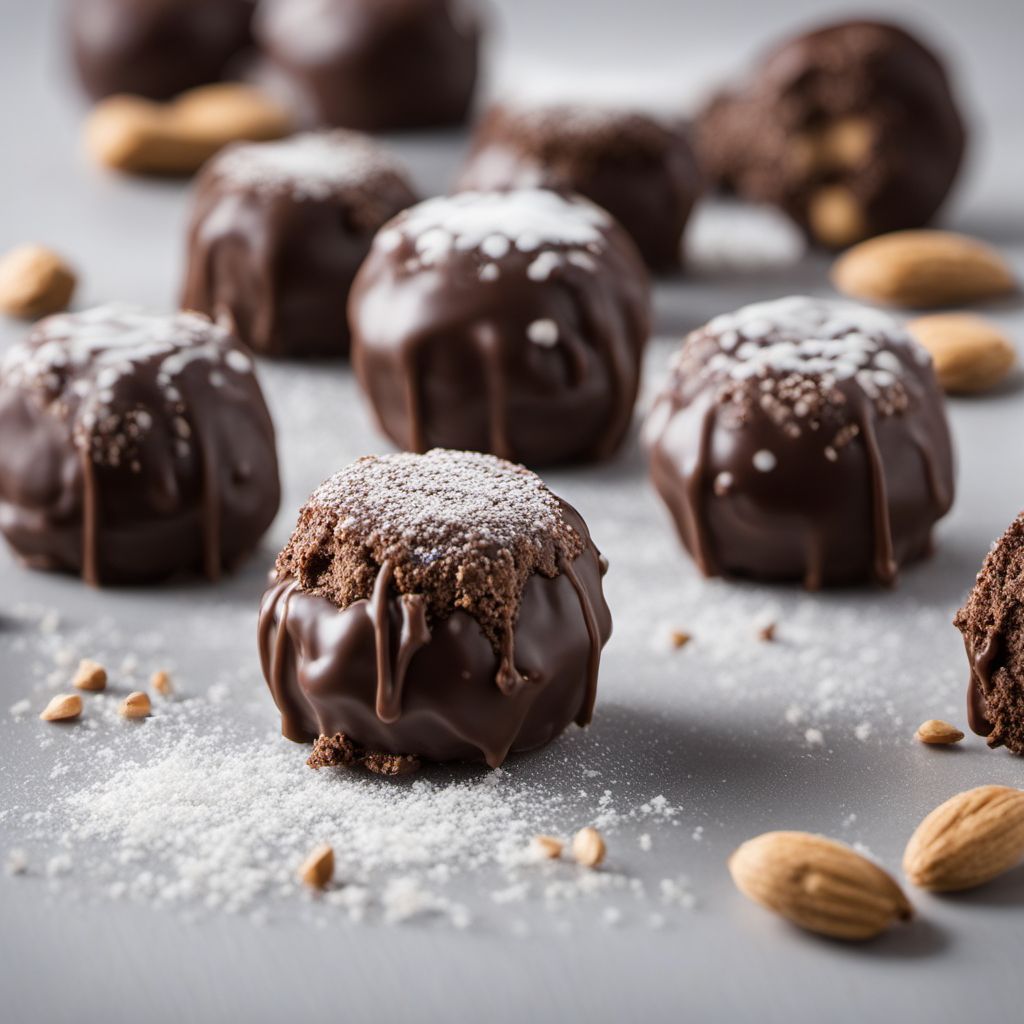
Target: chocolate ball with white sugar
(802, 440)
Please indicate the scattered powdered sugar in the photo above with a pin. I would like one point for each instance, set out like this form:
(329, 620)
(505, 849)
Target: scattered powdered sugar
(528, 221)
(312, 165)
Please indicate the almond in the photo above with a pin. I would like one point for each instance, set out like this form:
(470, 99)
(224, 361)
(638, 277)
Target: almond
(937, 733)
(132, 134)
(835, 217)
(588, 847)
(317, 869)
(161, 683)
(818, 884)
(922, 269)
(968, 840)
(546, 847)
(971, 354)
(34, 282)
(90, 676)
(62, 708)
(136, 705)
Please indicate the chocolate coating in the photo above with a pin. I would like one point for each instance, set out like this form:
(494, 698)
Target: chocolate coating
(278, 231)
(508, 322)
(992, 623)
(852, 129)
(642, 171)
(802, 439)
(156, 48)
(374, 65)
(136, 446)
(444, 606)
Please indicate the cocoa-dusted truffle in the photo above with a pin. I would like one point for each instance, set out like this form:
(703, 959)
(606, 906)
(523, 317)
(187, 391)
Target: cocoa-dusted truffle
(992, 622)
(278, 231)
(510, 322)
(374, 65)
(802, 439)
(641, 170)
(852, 129)
(156, 48)
(444, 606)
(135, 445)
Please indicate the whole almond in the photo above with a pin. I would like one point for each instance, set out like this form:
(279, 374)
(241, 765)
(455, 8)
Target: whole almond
(588, 847)
(90, 676)
(937, 733)
(34, 282)
(818, 884)
(922, 269)
(971, 354)
(968, 840)
(136, 705)
(63, 708)
(546, 847)
(161, 683)
(132, 134)
(317, 869)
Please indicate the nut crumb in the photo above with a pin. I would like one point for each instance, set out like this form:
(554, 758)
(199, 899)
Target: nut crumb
(161, 683)
(679, 638)
(767, 632)
(136, 705)
(588, 847)
(317, 869)
(63, 708)
(936, 733)
(546, 847)
(91, 676)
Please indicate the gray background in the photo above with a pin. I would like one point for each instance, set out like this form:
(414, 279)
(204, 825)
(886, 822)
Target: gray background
(707, 727)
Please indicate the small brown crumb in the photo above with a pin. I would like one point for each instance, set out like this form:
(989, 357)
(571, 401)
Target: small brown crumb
(767, 632)
(546, 847)
(379, 763)
(136, 705)
(937, 733)
(588, 847)
(338, 751)
(91, 676)
(318, 868)
(161, 683)
(62, 708)
(679, 638)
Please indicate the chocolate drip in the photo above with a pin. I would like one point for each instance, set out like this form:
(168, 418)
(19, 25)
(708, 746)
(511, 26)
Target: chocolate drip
(594, 633)
(273, 656)
(980, 685)
(884, 564)
(90, 520)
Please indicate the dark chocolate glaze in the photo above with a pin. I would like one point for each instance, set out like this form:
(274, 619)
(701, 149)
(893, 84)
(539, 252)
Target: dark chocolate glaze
(376, 672)
(751, 138)
(274, 259)
(445, 357)
(156, 48)
(373, 65)
(821, 511)
(135, 447)
(642, 171)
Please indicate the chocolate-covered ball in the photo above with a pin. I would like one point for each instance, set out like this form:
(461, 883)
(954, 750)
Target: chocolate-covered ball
(508, 322)
(992, 623)
(135, 446)
(374, 65)
(278, 231)
(852, 129)
(444, 606)
(156, 48)
(642, 171)
(802, 439)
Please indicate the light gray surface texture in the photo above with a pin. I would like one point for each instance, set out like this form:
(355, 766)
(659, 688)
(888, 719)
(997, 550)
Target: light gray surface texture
(720, 728)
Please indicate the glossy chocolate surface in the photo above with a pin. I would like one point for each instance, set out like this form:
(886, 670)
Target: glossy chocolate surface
(156, 48)
(136, 446)
(512, 323)
(278, 231)
(803, 440)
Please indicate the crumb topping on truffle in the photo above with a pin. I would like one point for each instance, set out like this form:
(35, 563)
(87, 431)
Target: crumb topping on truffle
(87, 369)
(313, 165)
(462, 529)
(549, 227)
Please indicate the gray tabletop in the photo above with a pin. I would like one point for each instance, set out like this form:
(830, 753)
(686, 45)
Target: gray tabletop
(735, 735)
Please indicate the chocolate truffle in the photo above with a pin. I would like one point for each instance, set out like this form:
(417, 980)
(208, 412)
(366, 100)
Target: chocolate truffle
(375, 65)
(852, 130)
(444, 606)
(802, 439)
(135, 445)
(156, 48)
(640, 170)
(508, 322)
(278, 231)
(992, 622)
